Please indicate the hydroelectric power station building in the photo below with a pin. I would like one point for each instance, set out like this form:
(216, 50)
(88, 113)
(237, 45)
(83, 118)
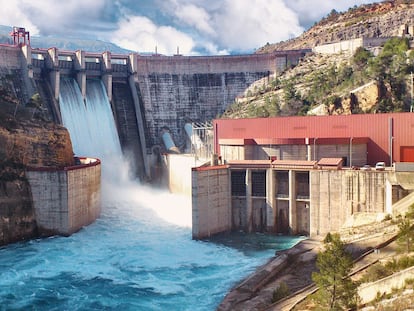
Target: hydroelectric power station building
(301, 175)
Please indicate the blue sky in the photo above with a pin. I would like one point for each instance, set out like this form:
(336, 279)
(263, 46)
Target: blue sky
(197, 27)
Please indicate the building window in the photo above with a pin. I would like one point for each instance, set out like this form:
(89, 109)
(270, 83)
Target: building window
(302, 184)
(282, 184)
(238, 183)
(259, 184)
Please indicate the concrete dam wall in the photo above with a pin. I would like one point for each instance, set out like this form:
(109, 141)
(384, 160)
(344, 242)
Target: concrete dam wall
(177, 90)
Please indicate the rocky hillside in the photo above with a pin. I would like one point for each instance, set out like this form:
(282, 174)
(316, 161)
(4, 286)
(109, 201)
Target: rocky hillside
(368, 81)
(382, 19)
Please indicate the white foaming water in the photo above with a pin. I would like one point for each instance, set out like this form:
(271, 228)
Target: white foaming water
(138, 256)
(91, 124)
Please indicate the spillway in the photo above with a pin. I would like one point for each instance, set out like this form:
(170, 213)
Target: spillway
(90, 122)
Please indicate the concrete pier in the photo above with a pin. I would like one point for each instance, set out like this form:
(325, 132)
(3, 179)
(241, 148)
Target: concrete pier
(211, 204)
(66, 199)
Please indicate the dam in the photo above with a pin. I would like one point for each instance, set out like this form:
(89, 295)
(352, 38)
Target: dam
(150, 95)
(139, 254)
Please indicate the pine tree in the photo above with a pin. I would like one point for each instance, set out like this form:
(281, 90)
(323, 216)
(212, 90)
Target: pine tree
(406, 233)
(336, 290)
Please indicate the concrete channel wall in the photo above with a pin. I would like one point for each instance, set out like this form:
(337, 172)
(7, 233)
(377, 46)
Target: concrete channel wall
(211, 207)
(66, 199)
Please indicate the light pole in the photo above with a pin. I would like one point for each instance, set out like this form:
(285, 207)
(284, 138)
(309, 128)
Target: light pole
(412, 91)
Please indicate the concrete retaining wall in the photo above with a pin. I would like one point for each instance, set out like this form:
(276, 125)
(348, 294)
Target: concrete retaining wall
(211, 204)
(68, 199)
(336, 195)
(349, 46)
(368, 292)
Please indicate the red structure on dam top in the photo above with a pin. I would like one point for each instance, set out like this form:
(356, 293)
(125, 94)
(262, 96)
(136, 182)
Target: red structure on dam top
(20, 36)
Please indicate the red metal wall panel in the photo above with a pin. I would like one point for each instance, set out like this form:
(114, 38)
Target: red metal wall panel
(407, 154)
(375, 127)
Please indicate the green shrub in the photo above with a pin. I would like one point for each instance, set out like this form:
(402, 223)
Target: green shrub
(281, 292)
(376, 272)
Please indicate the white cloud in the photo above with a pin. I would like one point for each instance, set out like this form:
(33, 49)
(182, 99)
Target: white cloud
(209, 26)
(50, 16)
(141, 34)
(250, 24)
(196, 17)
(12, 15)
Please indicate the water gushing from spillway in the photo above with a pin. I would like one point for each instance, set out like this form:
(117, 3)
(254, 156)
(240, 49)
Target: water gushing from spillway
(91, 124)
(139, 255)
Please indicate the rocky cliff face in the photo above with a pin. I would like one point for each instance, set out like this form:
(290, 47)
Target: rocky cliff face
(26, 140)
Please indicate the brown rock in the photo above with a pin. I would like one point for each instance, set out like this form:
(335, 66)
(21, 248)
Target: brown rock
(36, 146)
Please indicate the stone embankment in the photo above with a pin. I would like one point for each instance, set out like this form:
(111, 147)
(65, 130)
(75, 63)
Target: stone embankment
(255, 293)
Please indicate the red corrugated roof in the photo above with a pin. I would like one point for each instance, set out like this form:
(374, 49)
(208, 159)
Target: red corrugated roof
(330, 161)
(250, 163)
(294, 164)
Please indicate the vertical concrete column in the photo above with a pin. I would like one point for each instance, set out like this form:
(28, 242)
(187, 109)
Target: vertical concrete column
(292, 202)
(52, 63)
(308, 149)
(249, 201)
(133, 63)
(80, 68)
(195, 199)
(270, 200)
(314, 209)
(388, 197)
(107, 73)
(27, 53)
(133, 67)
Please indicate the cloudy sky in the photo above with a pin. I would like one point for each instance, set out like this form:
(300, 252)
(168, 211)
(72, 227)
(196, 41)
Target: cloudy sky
(195, 26)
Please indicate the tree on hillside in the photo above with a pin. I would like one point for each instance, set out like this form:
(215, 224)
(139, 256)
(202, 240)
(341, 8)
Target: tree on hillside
(389, 68)
(361, 57)
(336, 290)
(406, 233)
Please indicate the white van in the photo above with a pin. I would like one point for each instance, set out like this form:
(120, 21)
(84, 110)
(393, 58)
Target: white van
(380, 166)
